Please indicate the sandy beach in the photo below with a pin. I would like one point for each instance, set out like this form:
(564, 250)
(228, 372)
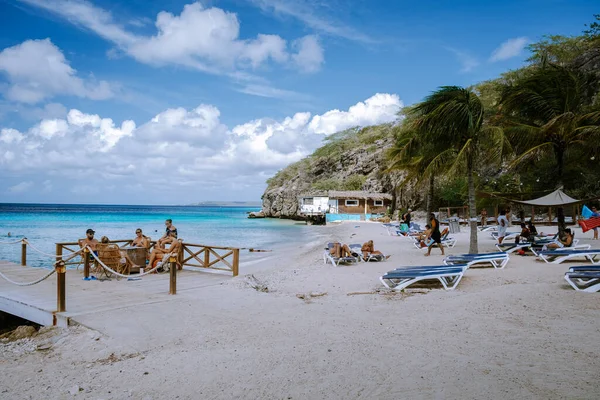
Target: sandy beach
(516, 333)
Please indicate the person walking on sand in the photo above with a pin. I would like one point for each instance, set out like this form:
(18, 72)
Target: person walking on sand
(502, 225)
(435, 236)
(483, 217)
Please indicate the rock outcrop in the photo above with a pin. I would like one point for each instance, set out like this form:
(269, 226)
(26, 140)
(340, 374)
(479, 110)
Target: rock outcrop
(350, 160)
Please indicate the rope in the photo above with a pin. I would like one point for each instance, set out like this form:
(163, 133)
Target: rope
(48, 254)
(27, 283)
(15, 242)
(119, 274)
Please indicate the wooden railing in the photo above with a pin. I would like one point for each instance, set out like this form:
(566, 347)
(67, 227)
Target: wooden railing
(191, 255)
(211, 257)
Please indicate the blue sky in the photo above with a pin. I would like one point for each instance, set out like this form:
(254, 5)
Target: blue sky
(221, 94)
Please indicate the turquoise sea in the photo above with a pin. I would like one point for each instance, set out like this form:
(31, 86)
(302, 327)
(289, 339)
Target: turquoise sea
(46, 224)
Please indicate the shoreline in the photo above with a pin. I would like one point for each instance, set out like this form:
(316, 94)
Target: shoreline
(331, 332)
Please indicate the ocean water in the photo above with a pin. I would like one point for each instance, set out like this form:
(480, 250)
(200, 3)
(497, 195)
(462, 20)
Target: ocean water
(46, 224)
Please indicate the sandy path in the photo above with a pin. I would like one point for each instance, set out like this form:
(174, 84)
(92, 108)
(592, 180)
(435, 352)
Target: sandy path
(515, 333)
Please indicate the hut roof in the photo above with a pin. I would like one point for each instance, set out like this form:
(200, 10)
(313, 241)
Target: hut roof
(358, 194)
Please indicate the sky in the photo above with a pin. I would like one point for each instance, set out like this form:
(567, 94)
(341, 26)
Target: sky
(178, 102)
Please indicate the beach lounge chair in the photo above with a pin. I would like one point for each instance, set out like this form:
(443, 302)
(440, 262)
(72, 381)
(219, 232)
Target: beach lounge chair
(511, 247)
(445, 240)
(584, 281)
(559, 255)
(357, 248)
(497, 260)
(448, 276)
(336, 261)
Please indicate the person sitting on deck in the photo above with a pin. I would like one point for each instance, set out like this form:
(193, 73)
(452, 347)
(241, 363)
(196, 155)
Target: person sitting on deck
(339, 250)
(125, 262)
(160, 250)
(170, 233)
(368, 249)
(89, 240)
(566, 241)
(140, 239)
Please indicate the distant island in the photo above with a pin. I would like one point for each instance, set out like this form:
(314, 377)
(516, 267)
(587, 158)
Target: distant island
(257, 204)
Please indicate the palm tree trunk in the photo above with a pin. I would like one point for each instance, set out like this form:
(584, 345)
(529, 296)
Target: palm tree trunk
(473, 248)
(560, 212)
(430, 195)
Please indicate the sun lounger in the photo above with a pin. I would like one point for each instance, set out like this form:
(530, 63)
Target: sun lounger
(357, 248)
(448, 276)
(487, 228)
(559, 255)
(336, 261)
(538, 247)
(507, 235)
(584, 281)
(498, 260)
(511, 247)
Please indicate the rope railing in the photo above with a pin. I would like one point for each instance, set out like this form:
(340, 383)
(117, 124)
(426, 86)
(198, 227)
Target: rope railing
(112, 271)
(71, 255)
(57, 265)
(15, 242)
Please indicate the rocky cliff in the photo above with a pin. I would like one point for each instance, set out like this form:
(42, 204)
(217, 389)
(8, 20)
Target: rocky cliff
(349, 160)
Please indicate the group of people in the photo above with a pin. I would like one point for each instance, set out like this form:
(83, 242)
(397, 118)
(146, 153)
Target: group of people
(339, 250)
(158, 252)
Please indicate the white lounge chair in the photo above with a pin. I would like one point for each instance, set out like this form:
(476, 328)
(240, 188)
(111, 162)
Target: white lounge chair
(584, 281)
(497, 260)
(448, 276)
(559, 255)
(511, 247)
(357, 248)
(336, 261)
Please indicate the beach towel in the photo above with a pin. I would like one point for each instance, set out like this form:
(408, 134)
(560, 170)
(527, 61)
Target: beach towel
(587, 224)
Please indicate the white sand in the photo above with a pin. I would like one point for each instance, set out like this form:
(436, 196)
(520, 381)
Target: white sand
(517, 333)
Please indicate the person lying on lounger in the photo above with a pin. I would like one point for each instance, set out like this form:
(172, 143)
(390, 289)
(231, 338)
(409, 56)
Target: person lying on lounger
(368, 249)
(339, 250)
(567, 241)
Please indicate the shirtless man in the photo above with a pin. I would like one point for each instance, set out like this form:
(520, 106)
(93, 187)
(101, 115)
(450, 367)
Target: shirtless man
(89, 240)
(170, 233)
(140, 240)
(368, 249)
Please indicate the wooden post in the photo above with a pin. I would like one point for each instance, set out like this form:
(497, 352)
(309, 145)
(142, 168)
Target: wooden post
(86, 264)
(550, 216)
(24, 252)
(236, 262)
(61, 274)
(173, 274)
(206, 257)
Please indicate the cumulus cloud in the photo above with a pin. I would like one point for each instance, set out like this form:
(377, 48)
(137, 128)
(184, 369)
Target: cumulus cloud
(37, 70)
(509, 49)
(20, 187)
(207, 39)
(171, 156)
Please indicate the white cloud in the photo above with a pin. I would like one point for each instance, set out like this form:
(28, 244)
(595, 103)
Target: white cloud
(308, 13)
(169, 157)
(309, 57)
(20, 187)
(509, 49)
(37, 70)
(202, 38)
(467, 61)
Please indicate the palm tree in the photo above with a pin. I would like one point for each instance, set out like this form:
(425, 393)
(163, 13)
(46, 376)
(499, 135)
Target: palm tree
(453, 117)
(551, 114)
(417, 157)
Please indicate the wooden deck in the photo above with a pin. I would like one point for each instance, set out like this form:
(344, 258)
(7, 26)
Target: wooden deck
(37, 303)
